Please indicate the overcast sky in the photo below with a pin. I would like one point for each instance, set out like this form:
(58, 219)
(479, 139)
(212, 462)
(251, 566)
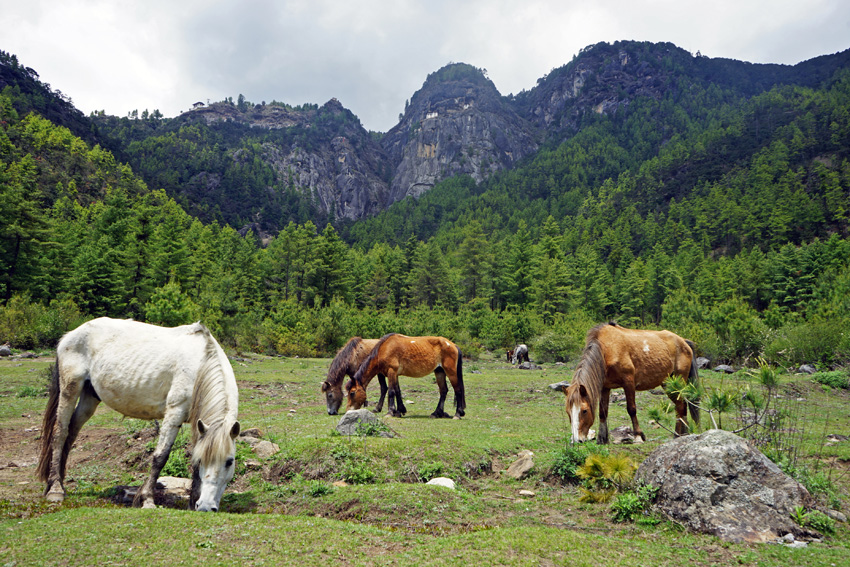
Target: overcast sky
(121, 55)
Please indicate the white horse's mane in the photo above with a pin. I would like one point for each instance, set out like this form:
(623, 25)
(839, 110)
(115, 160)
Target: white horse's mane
(211, 403)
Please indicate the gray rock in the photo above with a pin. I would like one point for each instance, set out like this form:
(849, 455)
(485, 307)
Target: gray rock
(442, 481)
(529, 366)
(559, 386)
(253, 432)
(351, 421)
(836, 515)
(724, 368)
(716, 483)
(623, 435)
(266, 449)
(175, 485)
(5, 350)
(807, 369)
(520, 468)
(702, 362)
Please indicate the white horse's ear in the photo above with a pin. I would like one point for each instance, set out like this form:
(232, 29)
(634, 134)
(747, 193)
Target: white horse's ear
(201, 427)
(234, 431)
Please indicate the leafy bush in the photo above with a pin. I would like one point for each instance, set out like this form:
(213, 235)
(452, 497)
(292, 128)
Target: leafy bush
(629, 506)
(810, 342)
(836, 379)
(568, 459)
(427, 471)
(814, 519)
(27, 324)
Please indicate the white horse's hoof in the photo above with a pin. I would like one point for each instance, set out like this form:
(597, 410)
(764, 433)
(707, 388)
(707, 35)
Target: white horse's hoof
(55, 496)
(148, 504)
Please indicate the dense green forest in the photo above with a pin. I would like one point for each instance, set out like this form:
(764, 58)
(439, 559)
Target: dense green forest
(720, 216)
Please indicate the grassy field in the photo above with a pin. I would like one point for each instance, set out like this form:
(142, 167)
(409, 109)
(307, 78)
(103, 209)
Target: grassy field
(285, 510)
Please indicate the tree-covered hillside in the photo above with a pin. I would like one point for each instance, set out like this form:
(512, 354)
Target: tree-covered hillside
(700, 207)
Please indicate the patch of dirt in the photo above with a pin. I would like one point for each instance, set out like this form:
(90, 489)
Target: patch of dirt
(20, 448)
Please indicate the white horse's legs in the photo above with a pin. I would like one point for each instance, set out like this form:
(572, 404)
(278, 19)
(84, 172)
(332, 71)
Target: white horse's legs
(167, 434)
(68, 395)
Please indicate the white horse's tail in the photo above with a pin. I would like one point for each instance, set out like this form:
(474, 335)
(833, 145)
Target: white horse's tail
(48, 424)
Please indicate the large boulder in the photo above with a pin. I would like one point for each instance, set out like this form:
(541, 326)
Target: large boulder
(717, 483)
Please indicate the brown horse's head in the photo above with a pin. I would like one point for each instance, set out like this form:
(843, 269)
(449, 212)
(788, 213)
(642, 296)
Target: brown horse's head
(356, 396)
(580, 411)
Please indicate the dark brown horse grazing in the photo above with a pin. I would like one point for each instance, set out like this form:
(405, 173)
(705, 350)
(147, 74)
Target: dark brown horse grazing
(346, 362)
(616, 357)
(398, 355)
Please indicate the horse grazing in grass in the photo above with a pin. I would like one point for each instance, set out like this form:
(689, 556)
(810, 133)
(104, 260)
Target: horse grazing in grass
(616, 357)
(398, 355)
(519, 354)
(174, 375)
(346, 362)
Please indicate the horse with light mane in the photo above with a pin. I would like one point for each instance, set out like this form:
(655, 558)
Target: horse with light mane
(632, 359)
(175, 375)
(346, 362)
(519, 354)
(399, 355)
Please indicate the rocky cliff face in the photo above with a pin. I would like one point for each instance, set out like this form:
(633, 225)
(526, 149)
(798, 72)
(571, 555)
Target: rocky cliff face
(602, 79)
(456, 124)
(326, 154)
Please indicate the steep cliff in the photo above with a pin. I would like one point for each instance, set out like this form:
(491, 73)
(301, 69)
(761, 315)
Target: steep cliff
(322, 152)
(457, 123)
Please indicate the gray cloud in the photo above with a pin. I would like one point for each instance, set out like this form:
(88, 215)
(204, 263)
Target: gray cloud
(371, 55)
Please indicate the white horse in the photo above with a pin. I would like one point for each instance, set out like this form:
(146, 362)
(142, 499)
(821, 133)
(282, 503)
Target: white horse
(520, 354)
(176, 375)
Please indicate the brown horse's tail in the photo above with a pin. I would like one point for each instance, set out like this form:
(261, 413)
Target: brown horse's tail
(48, 424)
(693, 378)
(460, 393)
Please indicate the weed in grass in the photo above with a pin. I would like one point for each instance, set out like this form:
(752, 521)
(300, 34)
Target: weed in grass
(814, 519)
(31, 392)
(603, 476)
(374, 429)
(427, 471)
(358, 473)
(317, 488)
(178, 461)
(634, 505)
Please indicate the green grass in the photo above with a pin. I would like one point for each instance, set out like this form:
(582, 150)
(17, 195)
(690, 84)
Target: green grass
(289, 512)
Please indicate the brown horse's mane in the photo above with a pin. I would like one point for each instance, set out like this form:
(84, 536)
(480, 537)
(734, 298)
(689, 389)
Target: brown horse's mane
(358, 376)
(590, 371)
(339, 365)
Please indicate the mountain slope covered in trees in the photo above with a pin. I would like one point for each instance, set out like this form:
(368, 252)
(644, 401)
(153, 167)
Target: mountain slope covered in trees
(655, 196)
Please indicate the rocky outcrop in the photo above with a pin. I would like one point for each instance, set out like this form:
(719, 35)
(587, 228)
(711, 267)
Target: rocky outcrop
(322, 152)
(717, 483)
(457, 123)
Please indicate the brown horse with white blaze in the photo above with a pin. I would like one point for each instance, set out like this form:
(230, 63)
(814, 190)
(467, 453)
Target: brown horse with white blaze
(346, 362)
(399, 355)
(632, 359)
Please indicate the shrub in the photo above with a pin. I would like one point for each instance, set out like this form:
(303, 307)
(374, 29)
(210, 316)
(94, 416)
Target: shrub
(571, 456)
(837, 379)
(629, 506)
(427, 471)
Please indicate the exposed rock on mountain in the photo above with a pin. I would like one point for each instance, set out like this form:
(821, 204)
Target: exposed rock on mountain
(457, 123)
(326, 155)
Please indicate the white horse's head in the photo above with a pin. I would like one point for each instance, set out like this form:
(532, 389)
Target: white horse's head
(214, 462)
